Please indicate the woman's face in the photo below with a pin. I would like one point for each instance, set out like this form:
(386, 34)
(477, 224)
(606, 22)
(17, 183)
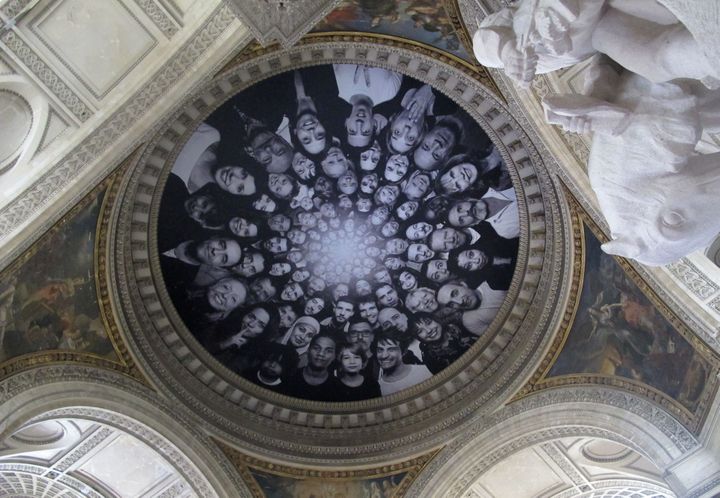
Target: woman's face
(417, 185)
(291, 292)
(472, 259)
(369, 183)
(390, 228)
(314, 305)
(407, 281)
(405, 132)
(303, 167)
(420, 253)
(265, 204)
(396, 168)
(379, 215)
(287, 315)
(369, 158)
(418, 230)
(226, 294)
(311, 133)
(301, 335)
(459, 178)
(300, 275)
(281, 185)
(241, 227)
(407, 209)
(347, 183)
(307, 219)
(351, 362)
(255, 322)
(235, 180)
(388, 194)
(429, 331)
(396, 246)
(278, 269)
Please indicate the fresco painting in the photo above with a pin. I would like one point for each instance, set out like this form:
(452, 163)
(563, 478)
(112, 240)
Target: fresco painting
(275, 486)
(48, 301)
(422, 20)
(618, 332)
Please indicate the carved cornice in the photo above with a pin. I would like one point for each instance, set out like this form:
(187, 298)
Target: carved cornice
(419, 418)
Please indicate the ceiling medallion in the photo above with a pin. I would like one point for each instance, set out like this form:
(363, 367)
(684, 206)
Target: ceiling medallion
(337, 242)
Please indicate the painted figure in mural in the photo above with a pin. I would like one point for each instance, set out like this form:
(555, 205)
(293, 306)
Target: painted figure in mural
(288, 276)
(647, 108)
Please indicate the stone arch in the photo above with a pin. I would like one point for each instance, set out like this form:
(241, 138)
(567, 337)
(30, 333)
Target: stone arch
(114, 400)
(598, 412)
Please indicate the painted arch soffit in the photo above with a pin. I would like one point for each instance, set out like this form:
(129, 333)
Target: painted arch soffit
(420, 417)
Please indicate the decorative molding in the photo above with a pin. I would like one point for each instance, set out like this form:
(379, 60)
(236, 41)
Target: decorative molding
(47, 187)
(159, 17)
(283, 20)
(693, 279)
(52, 81)
(421, 417)
(562, 461)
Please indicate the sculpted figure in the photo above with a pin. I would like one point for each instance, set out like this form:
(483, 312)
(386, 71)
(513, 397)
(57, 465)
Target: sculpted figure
(643, 36)
(647, 108)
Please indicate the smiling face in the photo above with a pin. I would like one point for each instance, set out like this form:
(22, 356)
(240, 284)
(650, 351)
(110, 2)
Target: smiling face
(335, 164)
(301, 335)
(405, 132)
(417, 185)
(369, 311)
(396, 246)
(226, 294)
(370, 158)
(387, 195)
(418, 230)
(466, 213)
(278, 269)
(420, 253)
(321, 353)
(360, 125)
(407, 281)
(347, 183)
(407, 209)
(310, 133)
(421, 300)
(303, 167)
(287, 315)
(428, 330)
(235, 180)
(472, 259)
(388, 354)
(291, 292)
(251, 264)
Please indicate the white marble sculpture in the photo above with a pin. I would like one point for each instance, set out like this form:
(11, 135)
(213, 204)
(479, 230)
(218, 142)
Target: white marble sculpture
(660, 199)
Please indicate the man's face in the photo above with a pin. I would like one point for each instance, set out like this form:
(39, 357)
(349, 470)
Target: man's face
(369, 311)
(263, 289)
(297, 237)
(472, 259)
(339, 291)
(323, 186)
(418, 230)
(391, 318)
(466, 213)
(235, 180)
(363, 288)
(369, 183)
(219, 251)
(201, 207)
(417, 186)
(437, 270)
(272, 151)
(387, 194)
(421, 300)
(359, 125)
(226, 294)
(370, 158)
(251, 264)
(379, 216)
(459, 178)
(321, 353)
(388, 354)
(407, 209)
(434, 148)
(446, 239)
(314, 305)
(387, 296)
(265, 204)
(420, 253)
(458, 296)
(361, 333)
(343, 311)
(382, 276)
(255, 322)
(311, 133)
(303, 167)
(316, 284)
(279, 223)
(241, 227)
(363, 205)
(396, 246)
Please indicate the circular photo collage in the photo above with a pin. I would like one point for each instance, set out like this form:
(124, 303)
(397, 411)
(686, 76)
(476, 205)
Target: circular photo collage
(338, 233)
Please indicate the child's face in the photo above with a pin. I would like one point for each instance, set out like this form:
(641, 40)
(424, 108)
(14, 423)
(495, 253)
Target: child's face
(271, 369)
(351, 362)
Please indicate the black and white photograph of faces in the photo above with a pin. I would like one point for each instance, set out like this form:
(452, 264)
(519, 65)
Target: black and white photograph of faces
(338, 233)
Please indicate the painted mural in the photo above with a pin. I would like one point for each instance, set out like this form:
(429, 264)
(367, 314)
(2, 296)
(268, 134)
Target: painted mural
(425, 21)
(619, 332)
(338, 233)
(48, 299)
(276, 486)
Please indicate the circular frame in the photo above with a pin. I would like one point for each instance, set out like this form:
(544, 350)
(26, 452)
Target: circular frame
(419, 418)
